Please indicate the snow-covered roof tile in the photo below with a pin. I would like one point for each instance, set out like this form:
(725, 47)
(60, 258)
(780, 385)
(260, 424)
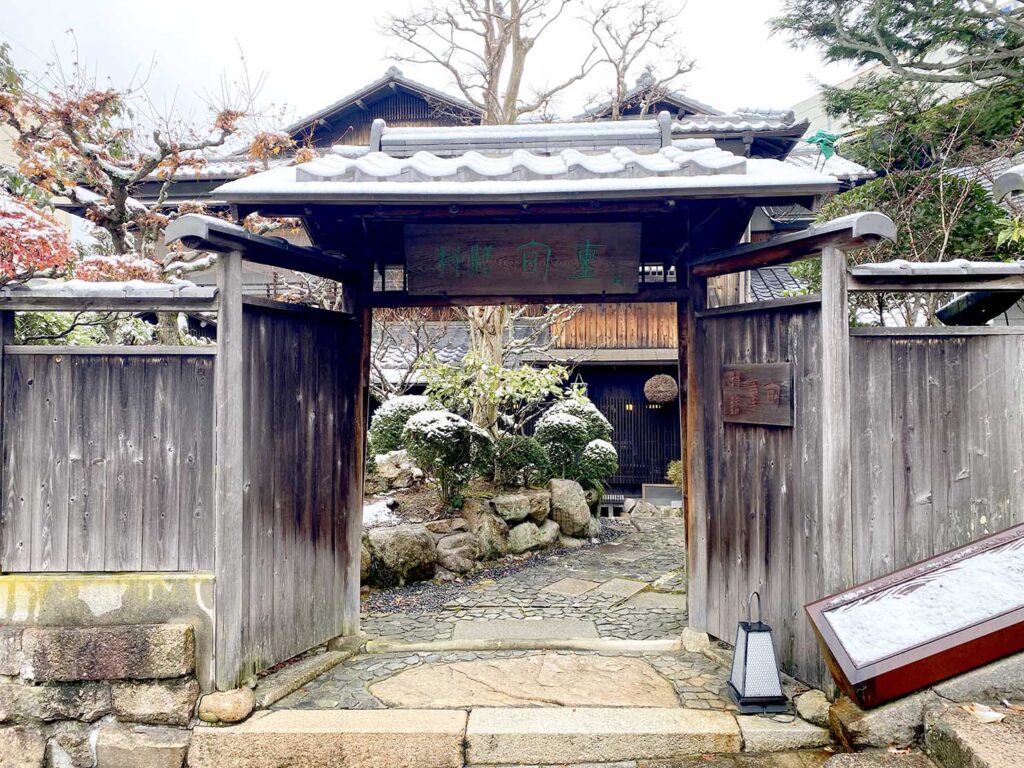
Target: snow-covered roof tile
(744, 122)
(810, 156)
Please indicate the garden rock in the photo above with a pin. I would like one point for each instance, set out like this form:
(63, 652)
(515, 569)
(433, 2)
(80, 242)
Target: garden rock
(897, 724)
(641, 508)
(593, 528)
(447, 526)
(491, 530)
(548, 533)
(395, 470)
(569, 507)
(568, 542)
(227, 706)
(464, 541)
(401, 554)
(813, 707)
(459, 560)
(525, 537)
(540, 505)
(364, 558)
(512, 508)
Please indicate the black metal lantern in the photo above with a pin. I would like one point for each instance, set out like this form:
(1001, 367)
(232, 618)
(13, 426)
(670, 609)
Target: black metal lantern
(755, 684)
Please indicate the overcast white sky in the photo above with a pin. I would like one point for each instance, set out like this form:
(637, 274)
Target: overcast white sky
(314, 52)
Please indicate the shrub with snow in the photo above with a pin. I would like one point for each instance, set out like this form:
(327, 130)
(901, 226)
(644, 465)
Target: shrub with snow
(518, 460)
(390, 419)
(564, 437)
(599, 460)
(448, 448)
(598, 427)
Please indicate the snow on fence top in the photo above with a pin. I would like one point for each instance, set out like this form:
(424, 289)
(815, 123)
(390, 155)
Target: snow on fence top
(954, 268)
(46, 288)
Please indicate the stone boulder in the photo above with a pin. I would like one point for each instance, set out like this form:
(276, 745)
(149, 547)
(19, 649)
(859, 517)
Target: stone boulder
(401, 554)
(569, 507)
(511, 507)
(813, 707)
(540, 505)
(446, 526)
(593, 528)
(459, 552)
(491, 530)
(227, 706)
(524, 537)
(396, 470)
(364, 558)
(549, 533)
(641, 508)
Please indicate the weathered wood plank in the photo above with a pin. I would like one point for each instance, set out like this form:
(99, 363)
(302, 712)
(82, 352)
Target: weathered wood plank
(51, 430)
(696, 504)
(837, 530)
(87, 458)
(231, 563)
(7, 480)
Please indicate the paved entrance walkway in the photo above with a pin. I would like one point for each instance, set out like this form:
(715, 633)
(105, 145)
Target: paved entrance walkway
(629, 588)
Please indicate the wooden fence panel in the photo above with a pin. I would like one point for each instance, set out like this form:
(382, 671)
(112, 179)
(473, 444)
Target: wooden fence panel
(940, 463)
(107, 462)
(763, 483)
(302, 505)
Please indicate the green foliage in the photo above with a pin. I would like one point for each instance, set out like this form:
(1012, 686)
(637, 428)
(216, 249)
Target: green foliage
(494, 397)
(599, 459)
(519, 460)
(389, 421)
(564, 437)
(1011, 233)
(674, 473)
(448, 448)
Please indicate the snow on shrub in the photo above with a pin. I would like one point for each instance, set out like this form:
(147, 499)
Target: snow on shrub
(599, 460)
(563, 436)
(31, 241)
(448, 448)
(518, 460)
(390, 419)
(598, 427)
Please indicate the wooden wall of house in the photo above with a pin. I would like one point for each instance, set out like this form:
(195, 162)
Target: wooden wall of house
(620, 326)
(107, 461)
(760, 528)
(937, 441)
(302, 507)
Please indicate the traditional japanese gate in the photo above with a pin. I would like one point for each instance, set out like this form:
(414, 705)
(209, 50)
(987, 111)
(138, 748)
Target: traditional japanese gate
(425, 220)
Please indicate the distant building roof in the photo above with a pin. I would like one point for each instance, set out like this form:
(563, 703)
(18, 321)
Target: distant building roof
(383, 87)
(645, 84)
(767, 283)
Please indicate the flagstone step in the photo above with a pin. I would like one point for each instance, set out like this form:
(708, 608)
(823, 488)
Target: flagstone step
(334, 739)
(552, 736)
(956, 739)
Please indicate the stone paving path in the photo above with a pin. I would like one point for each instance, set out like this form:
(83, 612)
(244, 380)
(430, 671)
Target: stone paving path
(629, 588)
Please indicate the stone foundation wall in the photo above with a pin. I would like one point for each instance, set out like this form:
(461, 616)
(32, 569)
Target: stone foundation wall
(97, 697)
(114, 599)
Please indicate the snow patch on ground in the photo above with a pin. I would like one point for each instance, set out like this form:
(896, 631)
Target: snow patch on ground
(377, 514)
(979, 587)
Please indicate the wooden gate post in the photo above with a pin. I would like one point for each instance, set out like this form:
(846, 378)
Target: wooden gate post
(836, 503)
(695, 461)
(6, 337)
(229, 407)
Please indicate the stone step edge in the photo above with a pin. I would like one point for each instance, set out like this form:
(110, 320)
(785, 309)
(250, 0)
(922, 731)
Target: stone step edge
(532, 644)
(275, 686)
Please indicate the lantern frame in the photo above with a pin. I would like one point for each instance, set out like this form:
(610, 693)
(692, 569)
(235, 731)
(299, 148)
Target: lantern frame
(746, 704)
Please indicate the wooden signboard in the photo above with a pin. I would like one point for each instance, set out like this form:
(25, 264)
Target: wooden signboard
(937, 619)
(758, 393)
(522, 259)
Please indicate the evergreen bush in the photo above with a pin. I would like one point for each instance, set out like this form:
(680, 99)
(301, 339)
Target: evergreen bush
(389, 421)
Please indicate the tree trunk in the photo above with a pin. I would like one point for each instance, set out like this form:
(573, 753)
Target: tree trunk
(487, 343)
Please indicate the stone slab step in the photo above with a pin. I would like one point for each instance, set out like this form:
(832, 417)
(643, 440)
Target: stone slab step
(879, 759)
(334, 739)
(955, 739)
(546, 736)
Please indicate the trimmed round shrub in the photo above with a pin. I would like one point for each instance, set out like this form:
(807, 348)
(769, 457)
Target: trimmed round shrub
(518, 459)
(661, 389)
(390, 419)
(564, 437)
(598, 460)
(598, 427)
(448, 448)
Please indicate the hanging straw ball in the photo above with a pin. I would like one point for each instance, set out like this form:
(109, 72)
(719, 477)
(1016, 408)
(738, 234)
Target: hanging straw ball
(661, 389)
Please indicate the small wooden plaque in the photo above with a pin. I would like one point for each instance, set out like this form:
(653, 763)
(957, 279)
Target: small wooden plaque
(522, 259)
(758, 393)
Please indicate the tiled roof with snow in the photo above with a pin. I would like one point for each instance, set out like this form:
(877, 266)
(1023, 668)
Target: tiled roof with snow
(767, 283)
(741, 122)
(810, 156)
(539, 161)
